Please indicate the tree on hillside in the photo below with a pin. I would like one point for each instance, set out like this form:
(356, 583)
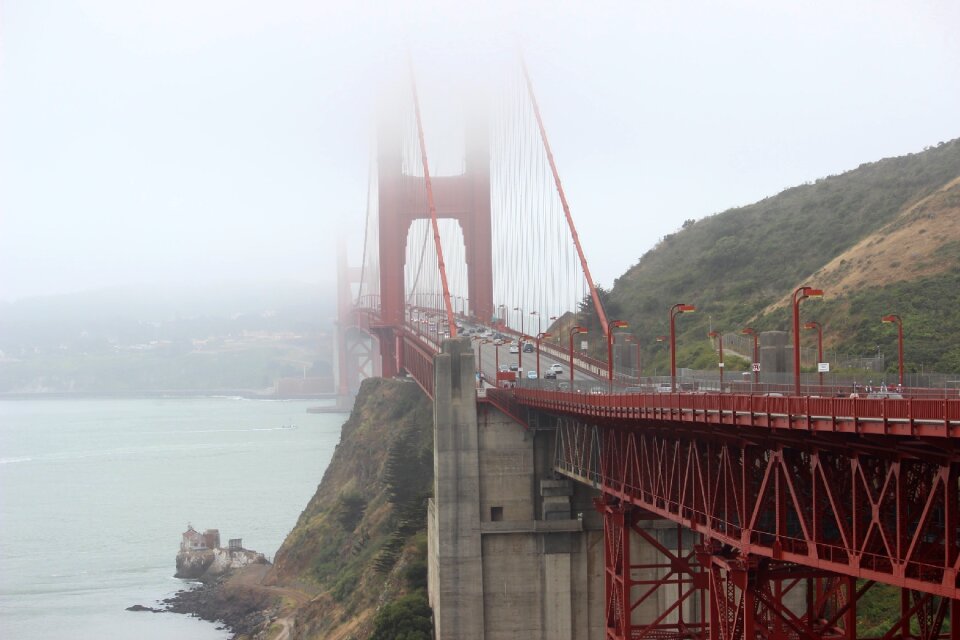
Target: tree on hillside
(587, 315)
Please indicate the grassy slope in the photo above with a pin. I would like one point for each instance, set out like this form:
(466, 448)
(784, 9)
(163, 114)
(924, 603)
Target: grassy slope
(896, 216)
(359, 544)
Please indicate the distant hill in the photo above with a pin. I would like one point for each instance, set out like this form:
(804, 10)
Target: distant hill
(882, 238)
(128, 340)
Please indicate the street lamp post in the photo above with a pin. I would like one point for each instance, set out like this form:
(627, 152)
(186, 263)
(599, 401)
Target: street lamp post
(540, 336)
(719, 337)
(520, 341)
(801, 293)
(755, 365)
(676, 310)
(574, 331)
(614, 324)
(819, 328)
(899, 322)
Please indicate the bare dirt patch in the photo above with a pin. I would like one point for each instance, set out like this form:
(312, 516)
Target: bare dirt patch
(907, 248)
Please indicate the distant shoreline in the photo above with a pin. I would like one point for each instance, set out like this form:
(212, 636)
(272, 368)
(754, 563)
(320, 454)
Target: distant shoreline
(244, 394)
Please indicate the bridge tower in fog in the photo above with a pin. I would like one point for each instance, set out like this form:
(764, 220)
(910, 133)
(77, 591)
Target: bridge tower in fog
(464, 198)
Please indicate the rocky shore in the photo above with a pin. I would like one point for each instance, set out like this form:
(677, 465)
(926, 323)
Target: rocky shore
(233, 599)
(241, 608)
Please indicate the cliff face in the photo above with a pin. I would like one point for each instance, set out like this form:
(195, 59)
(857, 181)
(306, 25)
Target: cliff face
(360, 546)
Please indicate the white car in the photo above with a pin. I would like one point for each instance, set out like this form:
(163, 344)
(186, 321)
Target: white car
(514, 349)
(556, 368)
(532, 374)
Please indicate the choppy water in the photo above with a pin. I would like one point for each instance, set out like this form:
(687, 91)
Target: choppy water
(94, 495)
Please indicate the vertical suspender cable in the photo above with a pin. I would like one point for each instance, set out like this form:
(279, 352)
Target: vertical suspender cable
(432, 206)
(366, 231)
(563, 201)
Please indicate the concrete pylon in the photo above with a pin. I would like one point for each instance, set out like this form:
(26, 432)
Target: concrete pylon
(775, 357)
(456, 567)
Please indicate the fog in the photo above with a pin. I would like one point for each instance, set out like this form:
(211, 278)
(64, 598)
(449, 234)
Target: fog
(205, 141)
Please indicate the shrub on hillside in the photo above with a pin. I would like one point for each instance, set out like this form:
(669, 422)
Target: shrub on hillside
(407, 618)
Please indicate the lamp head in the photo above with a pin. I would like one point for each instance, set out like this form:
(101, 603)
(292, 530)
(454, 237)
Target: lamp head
(686, 308)
(750, 331)
(619, 324)
(662, 338)
(713, 334)
(890, 318)
(810, 292)
(810, 325)
(578, 329)
(546, 334)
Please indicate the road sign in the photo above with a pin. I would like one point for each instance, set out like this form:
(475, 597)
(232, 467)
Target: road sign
(583, 345)
(720, 364)
(756, 366)
(823, 367)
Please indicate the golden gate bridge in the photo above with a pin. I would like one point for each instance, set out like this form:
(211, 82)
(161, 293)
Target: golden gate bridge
(796, 504)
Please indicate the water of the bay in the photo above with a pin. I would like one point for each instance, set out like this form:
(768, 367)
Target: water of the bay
(94, 495)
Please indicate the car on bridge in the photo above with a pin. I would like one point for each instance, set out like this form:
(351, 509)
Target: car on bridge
(556, 368)
(514, 349)
(550, 375)
(527, 347)
(531, 375)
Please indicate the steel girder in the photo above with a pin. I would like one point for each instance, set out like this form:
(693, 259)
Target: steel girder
(827, 511)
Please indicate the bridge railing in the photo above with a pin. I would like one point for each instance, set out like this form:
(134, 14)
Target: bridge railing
(939, 417)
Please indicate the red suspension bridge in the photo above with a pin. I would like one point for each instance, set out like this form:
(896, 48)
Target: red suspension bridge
(793, 506)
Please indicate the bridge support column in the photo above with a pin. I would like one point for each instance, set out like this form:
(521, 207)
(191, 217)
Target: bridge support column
(456, 570)
(514, 551)
(654, 587)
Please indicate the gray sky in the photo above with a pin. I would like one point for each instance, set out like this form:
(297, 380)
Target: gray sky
(211, 140)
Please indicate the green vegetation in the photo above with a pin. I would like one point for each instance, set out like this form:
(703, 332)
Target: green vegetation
(407, 618)
(360, 544)
(734, 265)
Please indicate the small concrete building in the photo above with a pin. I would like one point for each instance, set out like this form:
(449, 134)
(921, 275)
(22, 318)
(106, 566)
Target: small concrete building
(193, 540)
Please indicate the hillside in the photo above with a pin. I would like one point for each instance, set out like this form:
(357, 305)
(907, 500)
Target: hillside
(359, 547)
(882, 238)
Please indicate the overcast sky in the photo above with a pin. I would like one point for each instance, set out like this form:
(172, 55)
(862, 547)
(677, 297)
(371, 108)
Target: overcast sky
(203, 141)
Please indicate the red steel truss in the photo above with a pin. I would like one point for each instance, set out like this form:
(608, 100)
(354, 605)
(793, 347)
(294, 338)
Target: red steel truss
(879, 510)
(776, 511)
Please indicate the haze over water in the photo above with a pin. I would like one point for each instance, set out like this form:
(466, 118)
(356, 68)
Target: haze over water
(94, 495)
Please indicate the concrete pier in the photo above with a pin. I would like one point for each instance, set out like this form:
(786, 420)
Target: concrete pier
(514, 551)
